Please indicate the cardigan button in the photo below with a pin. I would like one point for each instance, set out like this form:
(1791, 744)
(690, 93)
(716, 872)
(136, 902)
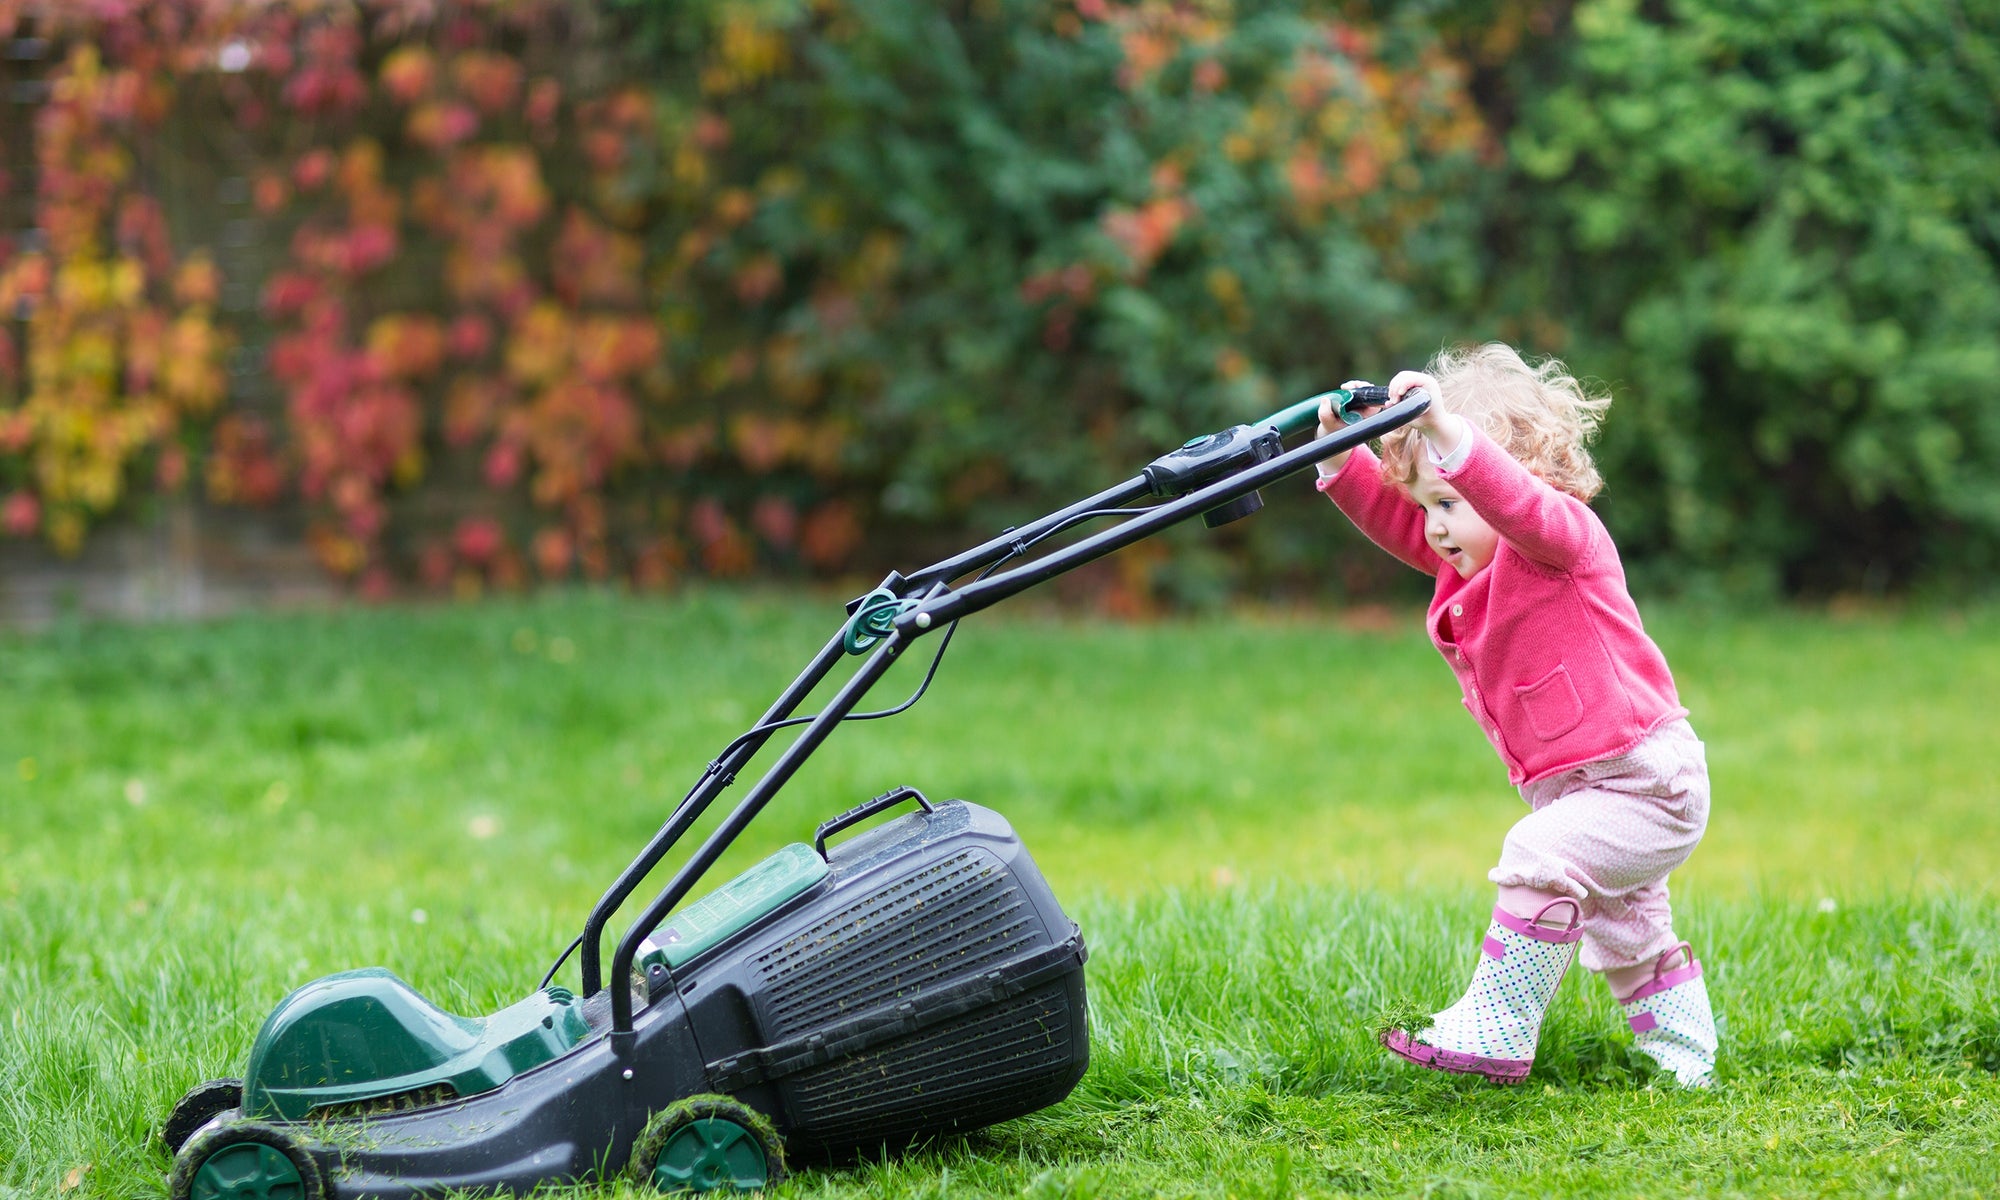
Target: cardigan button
(1458, 610)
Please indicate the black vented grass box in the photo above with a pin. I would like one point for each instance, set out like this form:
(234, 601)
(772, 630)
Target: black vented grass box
(927, 983)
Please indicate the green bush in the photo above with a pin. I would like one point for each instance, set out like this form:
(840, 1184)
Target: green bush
(1022, 245)
(1773, 228)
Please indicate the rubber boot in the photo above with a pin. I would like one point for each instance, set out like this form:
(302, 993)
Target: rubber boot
(1493, 1028)
(1671, 1019)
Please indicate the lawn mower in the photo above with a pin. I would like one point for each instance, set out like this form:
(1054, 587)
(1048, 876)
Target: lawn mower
(916, 980)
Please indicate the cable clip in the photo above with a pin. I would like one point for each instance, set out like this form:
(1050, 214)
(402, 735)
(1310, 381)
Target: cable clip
(1017, 547)
(874, 619)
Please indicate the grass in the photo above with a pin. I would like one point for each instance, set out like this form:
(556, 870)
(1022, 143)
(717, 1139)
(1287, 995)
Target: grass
(1272, 828)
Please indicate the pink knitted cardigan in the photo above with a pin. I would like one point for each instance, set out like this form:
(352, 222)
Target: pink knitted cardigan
(1545, 640)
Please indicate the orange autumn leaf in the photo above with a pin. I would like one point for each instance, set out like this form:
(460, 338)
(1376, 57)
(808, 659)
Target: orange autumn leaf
(539, 348)
(829, 534)
(408, 73)
(490, 80)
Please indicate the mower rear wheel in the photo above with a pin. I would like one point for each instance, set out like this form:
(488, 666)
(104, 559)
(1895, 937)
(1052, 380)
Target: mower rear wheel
(706, 1144)
(201, 1104)
(245, 1160)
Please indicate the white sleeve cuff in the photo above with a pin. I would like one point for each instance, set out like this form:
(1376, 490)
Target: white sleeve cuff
(1456, 458)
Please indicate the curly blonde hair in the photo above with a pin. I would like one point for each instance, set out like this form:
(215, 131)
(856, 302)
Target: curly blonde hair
(1538, 413)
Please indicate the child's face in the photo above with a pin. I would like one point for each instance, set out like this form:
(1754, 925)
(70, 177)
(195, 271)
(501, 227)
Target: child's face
(1459, 535)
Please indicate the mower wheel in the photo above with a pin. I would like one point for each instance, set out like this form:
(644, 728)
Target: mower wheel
(706, 1144)
(202, 1103)
(245, 1160)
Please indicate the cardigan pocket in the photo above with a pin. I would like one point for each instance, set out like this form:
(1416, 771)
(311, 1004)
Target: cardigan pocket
(1552, 704)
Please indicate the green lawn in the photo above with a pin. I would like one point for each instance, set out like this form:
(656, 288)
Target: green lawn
(1270, 827)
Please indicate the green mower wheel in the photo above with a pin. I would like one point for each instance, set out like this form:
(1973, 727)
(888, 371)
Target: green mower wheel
(245, 1160)
(706, 1144)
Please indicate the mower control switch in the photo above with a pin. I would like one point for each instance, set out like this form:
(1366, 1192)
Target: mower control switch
(1203, 460)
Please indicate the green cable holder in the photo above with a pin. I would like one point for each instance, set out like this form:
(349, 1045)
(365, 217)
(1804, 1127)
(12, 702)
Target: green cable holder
(874, 619)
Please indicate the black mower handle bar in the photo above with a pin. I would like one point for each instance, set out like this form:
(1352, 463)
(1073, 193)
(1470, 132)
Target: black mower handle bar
(936, 606)
(1295, 418)
(941, 609)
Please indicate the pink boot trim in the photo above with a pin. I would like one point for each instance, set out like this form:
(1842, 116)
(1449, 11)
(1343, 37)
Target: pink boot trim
(1499, 1070)
(1667, 980)
(1533, 927)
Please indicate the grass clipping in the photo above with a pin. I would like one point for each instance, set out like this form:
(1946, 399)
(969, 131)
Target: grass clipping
(1405, 1014)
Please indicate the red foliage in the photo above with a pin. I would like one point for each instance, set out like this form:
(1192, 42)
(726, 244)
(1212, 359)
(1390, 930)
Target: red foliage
(242, 466)
(478, 540)
(21, 514)
(477, 288)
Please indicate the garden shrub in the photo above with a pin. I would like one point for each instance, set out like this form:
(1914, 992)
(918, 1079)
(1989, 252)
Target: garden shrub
(1773, 227)
(444, 287)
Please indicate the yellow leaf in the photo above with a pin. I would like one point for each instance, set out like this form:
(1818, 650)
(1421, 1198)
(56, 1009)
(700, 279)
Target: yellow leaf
(128, 280)
(74, 1178)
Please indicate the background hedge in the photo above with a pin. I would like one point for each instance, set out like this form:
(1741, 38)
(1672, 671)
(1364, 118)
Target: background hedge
(1776, 227)
(632, 290)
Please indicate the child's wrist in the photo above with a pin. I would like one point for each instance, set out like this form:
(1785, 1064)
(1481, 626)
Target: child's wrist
(1446, 434)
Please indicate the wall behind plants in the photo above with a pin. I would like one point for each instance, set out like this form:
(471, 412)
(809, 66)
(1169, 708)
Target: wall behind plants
(496, 292)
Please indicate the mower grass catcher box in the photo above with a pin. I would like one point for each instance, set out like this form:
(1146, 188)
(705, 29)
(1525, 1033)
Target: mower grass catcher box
(928, 984)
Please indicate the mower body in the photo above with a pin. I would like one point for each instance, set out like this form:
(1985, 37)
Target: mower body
(918, 979)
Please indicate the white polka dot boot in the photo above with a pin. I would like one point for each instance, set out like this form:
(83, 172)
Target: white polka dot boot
(1493, 1028)
(1672, 1021)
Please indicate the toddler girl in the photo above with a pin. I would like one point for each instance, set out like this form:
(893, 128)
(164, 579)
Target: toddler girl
(1486, 490)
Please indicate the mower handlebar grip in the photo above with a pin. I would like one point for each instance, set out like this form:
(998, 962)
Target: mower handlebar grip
(1346, 401)
(861, 812)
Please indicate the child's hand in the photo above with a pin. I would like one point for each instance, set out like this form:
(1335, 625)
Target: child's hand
(1329, 417)
(1432, 423)
(1329, 421)
(1444, 431)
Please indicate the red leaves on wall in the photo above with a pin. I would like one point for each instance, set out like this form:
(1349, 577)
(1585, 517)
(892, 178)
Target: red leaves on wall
(528, 318)
(122, 347)
(242, 467)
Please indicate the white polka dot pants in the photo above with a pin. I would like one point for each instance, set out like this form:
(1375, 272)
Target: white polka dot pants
(1606, 834)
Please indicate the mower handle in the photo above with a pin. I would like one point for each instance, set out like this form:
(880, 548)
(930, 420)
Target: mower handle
(861, 812)
(1348, 402)
(937, 607)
